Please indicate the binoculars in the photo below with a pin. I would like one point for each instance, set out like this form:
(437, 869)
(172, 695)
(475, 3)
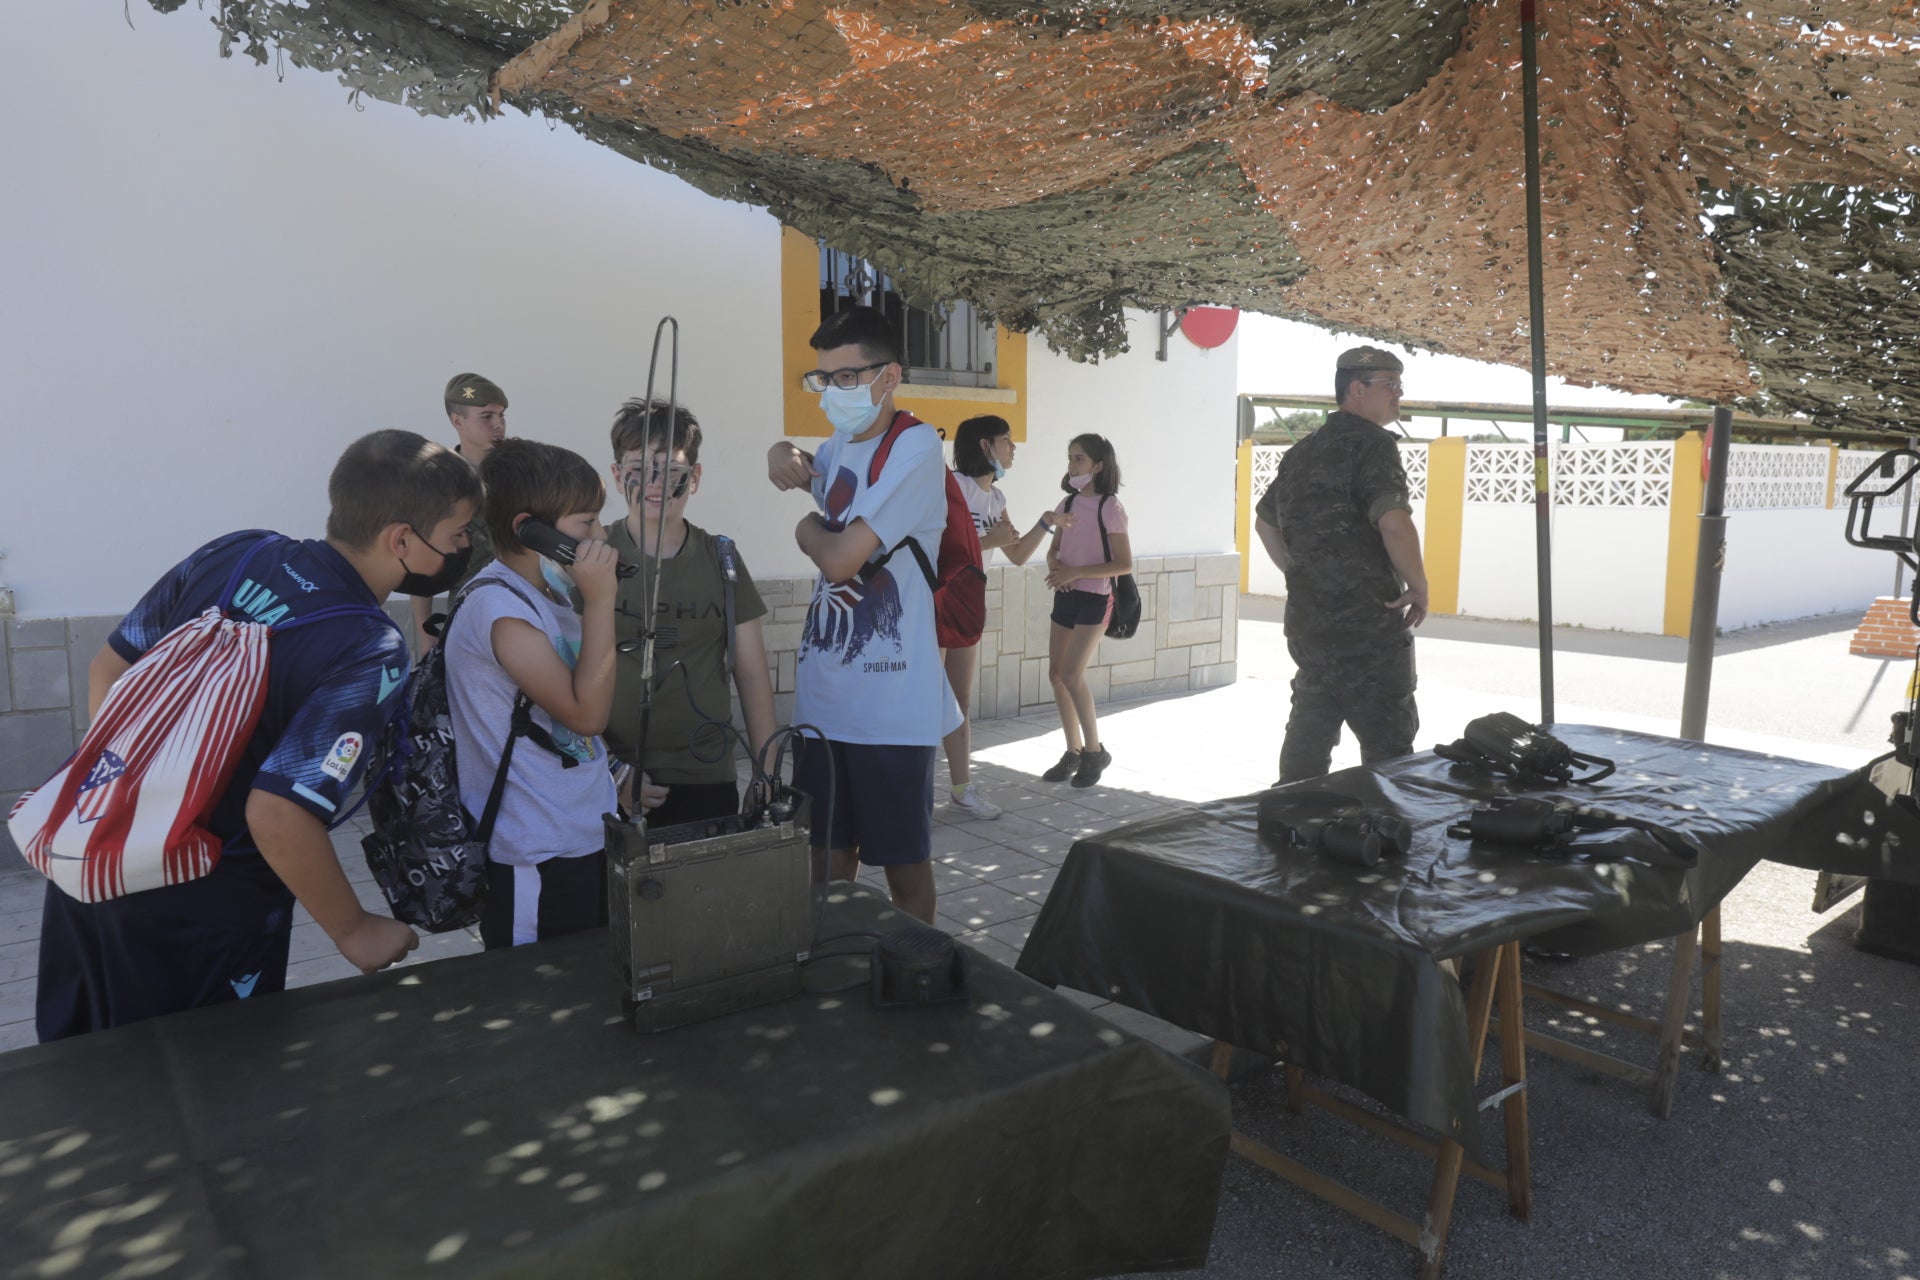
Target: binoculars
(1362, 839)
(1521, 822)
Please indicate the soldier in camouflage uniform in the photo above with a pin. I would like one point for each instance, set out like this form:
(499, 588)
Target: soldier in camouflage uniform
(1337, 522)
(477, 408)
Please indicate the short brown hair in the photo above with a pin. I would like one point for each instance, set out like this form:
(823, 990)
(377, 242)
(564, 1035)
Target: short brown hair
(395, 477)
(642, 424)
(543, 480)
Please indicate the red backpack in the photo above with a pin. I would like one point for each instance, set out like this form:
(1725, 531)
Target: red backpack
(959, 582)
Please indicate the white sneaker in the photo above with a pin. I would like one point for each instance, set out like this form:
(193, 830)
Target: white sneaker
(969, 801)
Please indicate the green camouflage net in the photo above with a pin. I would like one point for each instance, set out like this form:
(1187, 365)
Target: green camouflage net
(1354, 165)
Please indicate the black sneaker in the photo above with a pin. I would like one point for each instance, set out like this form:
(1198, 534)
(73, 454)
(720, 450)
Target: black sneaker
(1069, 765)
(1092, 765)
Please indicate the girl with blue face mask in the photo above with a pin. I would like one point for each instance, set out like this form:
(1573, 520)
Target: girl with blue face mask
(982, 455)
(530, 681)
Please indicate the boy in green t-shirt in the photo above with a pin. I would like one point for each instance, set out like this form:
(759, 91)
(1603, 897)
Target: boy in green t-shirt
(688, 773)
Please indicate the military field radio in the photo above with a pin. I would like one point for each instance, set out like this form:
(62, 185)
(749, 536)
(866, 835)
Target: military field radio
(706, 917)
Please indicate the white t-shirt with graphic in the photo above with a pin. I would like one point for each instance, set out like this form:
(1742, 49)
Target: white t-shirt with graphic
(987, 506)
(547, 810)
(869, 664)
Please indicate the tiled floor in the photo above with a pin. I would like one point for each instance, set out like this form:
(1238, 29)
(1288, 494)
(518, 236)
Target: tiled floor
(1185, 748)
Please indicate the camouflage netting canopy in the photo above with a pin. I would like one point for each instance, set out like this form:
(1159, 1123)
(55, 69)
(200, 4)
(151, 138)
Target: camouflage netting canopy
(1728, 190)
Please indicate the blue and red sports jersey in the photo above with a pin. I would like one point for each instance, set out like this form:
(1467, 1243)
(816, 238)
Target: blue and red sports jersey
(331, 686)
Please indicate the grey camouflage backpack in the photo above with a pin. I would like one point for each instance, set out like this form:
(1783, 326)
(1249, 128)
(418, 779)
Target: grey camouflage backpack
(426, 852)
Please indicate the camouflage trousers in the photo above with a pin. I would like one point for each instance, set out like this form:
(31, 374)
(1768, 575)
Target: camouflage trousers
(1370, 691)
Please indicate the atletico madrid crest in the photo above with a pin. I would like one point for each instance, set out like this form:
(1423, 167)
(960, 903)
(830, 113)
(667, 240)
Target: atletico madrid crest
(97, 790)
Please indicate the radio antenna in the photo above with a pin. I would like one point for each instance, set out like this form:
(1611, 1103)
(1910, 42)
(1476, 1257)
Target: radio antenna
(668, 328)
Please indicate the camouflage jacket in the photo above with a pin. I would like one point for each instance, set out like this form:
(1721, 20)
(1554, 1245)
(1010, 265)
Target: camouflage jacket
(1327, 501)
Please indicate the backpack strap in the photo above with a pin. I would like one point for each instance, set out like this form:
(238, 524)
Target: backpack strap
(523, 724)
(729, 580)
(221, 601)
(902, 422)
(319, 615)
(919, 554)
(1100, 518)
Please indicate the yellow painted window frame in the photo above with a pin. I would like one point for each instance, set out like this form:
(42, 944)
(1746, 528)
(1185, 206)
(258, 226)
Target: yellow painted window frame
(944, 407)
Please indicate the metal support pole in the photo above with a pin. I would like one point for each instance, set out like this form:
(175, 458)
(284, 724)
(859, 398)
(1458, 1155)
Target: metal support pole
(1906, 526)
(1709, 560)
(1537, 331)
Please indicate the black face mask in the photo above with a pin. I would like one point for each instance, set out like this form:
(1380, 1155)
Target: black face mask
(452, 565)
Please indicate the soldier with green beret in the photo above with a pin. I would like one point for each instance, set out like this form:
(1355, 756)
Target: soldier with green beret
(1338, 523)
(477, 408)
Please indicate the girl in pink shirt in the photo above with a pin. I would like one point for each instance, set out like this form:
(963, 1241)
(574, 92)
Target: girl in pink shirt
(1081, 567)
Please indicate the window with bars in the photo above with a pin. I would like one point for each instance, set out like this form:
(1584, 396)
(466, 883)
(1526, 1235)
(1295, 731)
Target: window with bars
(948, 346)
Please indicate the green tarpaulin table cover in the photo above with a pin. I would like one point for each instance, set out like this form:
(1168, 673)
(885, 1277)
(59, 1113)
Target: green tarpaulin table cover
(492, 1115)
(1197, 918)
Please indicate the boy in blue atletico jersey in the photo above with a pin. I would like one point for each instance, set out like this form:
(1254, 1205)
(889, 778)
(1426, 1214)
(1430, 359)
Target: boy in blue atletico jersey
(400, 508)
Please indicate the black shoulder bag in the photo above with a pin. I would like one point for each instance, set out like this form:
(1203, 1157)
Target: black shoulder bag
(1125, 619)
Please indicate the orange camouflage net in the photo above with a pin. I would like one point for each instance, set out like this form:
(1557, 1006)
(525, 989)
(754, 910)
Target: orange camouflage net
(1727, 190)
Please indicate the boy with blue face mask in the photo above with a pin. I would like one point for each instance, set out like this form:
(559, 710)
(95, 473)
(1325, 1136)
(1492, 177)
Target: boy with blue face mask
(515, 636)
(869, 674)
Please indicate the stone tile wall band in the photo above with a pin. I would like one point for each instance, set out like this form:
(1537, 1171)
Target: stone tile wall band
(1187, 641)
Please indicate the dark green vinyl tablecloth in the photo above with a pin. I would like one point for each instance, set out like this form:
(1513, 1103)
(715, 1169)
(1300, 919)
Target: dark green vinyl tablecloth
(1198, 919)
(492, 1116)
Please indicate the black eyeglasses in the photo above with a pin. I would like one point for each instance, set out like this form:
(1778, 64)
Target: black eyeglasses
(845, 379)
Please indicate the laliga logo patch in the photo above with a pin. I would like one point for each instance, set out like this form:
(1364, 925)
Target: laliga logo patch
(91, 800)
(339, 761)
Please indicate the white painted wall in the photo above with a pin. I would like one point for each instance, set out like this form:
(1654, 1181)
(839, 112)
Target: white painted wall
(1795, 563)
(1497, 560)
(217, 279)
(1609, 565)
(1172, 425)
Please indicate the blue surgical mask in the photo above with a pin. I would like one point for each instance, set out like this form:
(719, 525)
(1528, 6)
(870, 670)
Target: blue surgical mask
(851, 410)
(999, 472)
(556, 579)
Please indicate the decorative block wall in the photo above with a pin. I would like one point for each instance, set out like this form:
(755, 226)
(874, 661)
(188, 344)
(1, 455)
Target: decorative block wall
(1187, 639)
(43, 695)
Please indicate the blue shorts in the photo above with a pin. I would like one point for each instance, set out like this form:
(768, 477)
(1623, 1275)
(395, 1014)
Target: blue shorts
(220, 938)
(877, 799)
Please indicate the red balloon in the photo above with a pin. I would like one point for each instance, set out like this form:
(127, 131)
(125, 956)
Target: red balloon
(1209, 326)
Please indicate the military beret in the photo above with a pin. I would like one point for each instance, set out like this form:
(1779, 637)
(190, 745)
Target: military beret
(1371, 359)
(470, 391)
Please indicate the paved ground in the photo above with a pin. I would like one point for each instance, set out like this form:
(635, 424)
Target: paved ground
(1801, 1159)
